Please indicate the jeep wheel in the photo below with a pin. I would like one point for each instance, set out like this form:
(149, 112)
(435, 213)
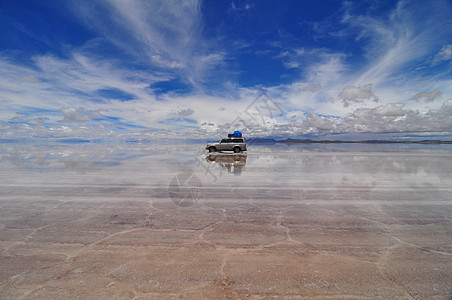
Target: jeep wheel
(212, 149)
(237, 149)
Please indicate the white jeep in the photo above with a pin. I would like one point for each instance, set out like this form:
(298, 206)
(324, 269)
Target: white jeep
(236, 144)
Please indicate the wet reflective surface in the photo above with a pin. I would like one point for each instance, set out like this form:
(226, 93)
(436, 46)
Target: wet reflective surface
(169, 220)
(233, 163)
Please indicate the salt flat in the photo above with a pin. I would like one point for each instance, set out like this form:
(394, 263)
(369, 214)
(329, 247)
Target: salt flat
(168, 220)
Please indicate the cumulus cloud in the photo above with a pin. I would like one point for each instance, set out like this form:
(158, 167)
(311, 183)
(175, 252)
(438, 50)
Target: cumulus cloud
(389, 110)
(185, 112)
(427, 96)
(357, 94)
(387, 118)
(81, 114)
(446, 108)
(320, 123)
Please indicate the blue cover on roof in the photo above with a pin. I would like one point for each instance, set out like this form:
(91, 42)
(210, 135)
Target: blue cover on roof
(237, 134)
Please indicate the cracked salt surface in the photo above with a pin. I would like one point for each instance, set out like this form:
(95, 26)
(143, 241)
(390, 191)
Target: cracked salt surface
(296, 222)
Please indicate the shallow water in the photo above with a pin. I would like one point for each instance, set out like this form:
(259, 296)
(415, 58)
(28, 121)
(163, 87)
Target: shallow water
(169, 219)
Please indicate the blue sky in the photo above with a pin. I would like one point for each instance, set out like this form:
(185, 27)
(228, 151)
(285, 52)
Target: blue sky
(103, 68)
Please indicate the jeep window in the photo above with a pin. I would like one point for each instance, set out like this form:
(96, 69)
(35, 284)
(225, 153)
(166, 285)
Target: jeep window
(232, 141)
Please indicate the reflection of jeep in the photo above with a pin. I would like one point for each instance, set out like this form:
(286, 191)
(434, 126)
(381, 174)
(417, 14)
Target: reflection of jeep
(236, 144)
(234, 163)
(227, 159)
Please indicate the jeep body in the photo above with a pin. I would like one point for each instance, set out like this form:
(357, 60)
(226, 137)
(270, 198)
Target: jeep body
(236, 144)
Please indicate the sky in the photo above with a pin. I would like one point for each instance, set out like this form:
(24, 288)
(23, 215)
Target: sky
(297, 69)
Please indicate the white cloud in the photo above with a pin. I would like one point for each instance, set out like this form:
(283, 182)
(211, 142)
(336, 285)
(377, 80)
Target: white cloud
(54, 83)
(446, 108)
(319, 123)
(357, 95)
(427, 96)
(396, 48)
(444, 54)
(313, 88)
(186, 112)
(241, 6)
(76, 115)
(408, 35)
(389, 110)
(166, 63)
(168, 33)
(388, 118)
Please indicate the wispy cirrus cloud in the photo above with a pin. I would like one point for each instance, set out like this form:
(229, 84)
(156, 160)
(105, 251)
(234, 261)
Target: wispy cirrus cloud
(51, 83)
(158, 34)
(445, 54)
(407, 36)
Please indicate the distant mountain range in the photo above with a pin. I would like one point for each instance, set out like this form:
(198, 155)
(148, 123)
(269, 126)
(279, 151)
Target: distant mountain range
(308, 141)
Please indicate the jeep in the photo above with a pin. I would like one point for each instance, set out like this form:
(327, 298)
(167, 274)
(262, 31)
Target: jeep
(236, 144)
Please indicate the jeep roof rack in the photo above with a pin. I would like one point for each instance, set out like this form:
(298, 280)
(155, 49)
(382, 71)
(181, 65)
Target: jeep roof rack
(235, 134)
